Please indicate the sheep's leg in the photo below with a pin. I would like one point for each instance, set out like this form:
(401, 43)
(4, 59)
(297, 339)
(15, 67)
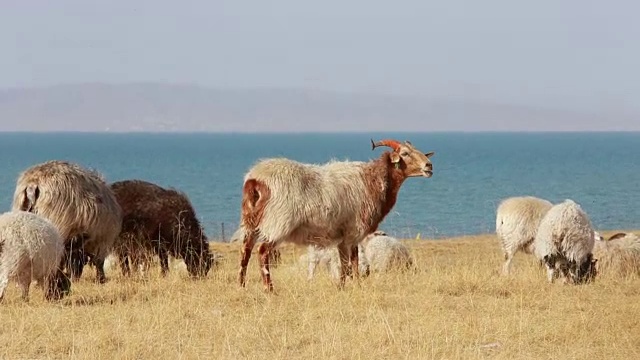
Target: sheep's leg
(313, 261)
(274, 257)
(4, 281)
(355, 268)
(343, 254)
(76, 263)
(311, 269)
(550, 262)
(508, 257)
(248, 243)
(164, 261)
(264, 250)
(101, 277)
(24, 282)
(124, 262)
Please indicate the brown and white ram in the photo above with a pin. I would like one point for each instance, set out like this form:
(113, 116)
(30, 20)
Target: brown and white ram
(333, 204)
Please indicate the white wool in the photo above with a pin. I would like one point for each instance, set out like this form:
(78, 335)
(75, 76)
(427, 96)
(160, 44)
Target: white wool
(317, 196)
(517, 221)
(384, 253)
(565, 232)
(31, 248)
(629, 241)
(329, 258)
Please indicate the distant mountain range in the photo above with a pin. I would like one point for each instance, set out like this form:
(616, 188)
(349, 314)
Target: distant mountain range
(190, 108)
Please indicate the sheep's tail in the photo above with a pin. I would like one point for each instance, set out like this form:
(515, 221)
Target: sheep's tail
(239, 234)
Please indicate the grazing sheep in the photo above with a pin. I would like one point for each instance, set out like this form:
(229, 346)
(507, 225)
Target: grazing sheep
(620, 254)
(159, 221)
(329, 257)
(565, 242)
(517, 221)
(336, 203)
(383, 253)
(81, 206)
(31, 249)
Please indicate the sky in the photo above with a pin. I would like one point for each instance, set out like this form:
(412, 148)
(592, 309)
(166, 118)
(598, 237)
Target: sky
(579, 55)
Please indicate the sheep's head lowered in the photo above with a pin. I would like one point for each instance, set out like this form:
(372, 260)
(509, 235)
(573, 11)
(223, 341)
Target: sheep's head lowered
(406, 157)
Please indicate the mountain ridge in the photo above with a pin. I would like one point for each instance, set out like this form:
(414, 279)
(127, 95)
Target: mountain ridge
(163, 107)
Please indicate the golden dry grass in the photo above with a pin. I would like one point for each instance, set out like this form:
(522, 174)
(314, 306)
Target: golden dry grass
(455, 307)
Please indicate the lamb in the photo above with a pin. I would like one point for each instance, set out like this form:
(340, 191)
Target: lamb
(517, 221)
(159, 221)
(336, 203)
(81, 206)
(31, 248)
(619, 255)
(384, 253)
(565, 242)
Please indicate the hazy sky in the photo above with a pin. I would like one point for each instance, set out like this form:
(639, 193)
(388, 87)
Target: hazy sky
(577, 54)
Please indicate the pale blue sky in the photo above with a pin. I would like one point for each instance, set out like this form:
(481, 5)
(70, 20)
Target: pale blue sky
(580, 55)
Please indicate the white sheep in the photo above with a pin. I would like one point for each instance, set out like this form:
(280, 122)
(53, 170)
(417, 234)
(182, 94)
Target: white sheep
(31, 248)
(330, 258)
(336, 203)
(565, 241)
(620, 254)
(517, 221)
(383, 253)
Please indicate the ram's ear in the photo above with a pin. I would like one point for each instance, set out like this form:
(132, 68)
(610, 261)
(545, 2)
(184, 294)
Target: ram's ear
(32, 192)
(429, 154)
(395, 157)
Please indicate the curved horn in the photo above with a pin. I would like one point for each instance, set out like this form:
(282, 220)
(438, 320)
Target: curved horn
(395, 145)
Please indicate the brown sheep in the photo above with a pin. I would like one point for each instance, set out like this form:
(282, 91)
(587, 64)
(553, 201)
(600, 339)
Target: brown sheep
(161, 221)
(333, 204)
(81, 206)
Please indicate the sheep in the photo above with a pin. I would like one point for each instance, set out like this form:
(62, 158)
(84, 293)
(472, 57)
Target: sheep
(383, 253)
(620, 254)
(159, 221)
(329, 257)
(81, 206)
(335, 203)
(31, 248)
(565, 242)
(517, 221)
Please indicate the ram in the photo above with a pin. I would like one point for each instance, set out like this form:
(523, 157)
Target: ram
(333, 204)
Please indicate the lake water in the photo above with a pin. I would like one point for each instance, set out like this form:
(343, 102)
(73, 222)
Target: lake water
(472, 171)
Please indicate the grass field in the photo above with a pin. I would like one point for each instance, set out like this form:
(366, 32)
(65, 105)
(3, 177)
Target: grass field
(455, 307)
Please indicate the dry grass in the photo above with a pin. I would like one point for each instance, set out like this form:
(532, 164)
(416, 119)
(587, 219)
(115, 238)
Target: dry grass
(455, 307)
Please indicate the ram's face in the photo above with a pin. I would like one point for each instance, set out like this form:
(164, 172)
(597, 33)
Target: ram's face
(413, 161)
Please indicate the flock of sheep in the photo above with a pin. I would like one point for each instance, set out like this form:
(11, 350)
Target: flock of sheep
(562, 238)
(65, 217)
